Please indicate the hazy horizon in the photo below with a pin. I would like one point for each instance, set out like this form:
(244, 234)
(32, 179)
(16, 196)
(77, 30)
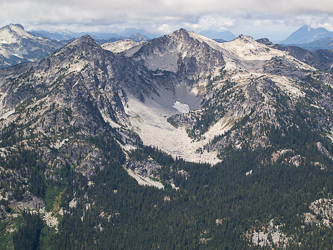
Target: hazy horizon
(273, 20)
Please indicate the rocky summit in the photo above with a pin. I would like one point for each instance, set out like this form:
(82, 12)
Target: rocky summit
(179, 142)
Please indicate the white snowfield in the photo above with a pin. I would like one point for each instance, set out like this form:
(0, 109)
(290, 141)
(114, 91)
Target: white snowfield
(181, 107)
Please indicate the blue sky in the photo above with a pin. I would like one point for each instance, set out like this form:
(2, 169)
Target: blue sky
(273, 19)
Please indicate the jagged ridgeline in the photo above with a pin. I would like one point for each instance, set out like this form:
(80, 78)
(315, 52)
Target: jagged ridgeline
(176, 143)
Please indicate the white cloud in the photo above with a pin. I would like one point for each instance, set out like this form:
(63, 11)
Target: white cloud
(164, 16)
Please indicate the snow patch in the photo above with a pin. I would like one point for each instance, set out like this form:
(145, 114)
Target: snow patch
(182, 108)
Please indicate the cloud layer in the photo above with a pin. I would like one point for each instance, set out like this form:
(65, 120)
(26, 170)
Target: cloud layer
(164, 16)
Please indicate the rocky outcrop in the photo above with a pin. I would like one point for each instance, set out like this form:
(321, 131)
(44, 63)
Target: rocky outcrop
(321, 213)
(270, 236)
(144, 168)
(29, 202)
(35, 203)
(323, 150)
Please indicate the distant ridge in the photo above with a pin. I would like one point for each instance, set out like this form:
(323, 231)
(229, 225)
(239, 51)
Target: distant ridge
(224, 35)
(306, 34)
(325, 43)
(68, 35)
(137, 37)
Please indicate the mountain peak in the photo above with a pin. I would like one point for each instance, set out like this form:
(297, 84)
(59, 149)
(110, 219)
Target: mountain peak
(307, 34)
(246, 39)
(15, 26)
(265, 41)
(181, 31)
(137, 37)
(308, 28)
(12, 33)
(86, 39)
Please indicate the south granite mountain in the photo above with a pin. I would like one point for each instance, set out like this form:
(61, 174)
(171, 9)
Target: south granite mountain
(243, 132)
(18, 46)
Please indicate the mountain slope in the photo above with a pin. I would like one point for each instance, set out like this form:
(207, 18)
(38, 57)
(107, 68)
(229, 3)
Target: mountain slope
(236, 137)
(17, 46)
(320, 59)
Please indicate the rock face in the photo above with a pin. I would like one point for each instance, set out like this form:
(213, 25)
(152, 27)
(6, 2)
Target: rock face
(321, 213)
(270, 237)
(144, 168)
(30, 202)
(67, 83)
(323, 150)
(320, 59)
(17, 46)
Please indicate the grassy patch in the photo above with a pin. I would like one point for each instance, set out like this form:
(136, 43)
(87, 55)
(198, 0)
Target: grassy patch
(172, 122)
(57, 202)
(53, 197)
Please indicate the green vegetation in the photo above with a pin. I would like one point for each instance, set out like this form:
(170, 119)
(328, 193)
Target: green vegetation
(6, 239)
(172, 122)
(28, 235)
(137, 217)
